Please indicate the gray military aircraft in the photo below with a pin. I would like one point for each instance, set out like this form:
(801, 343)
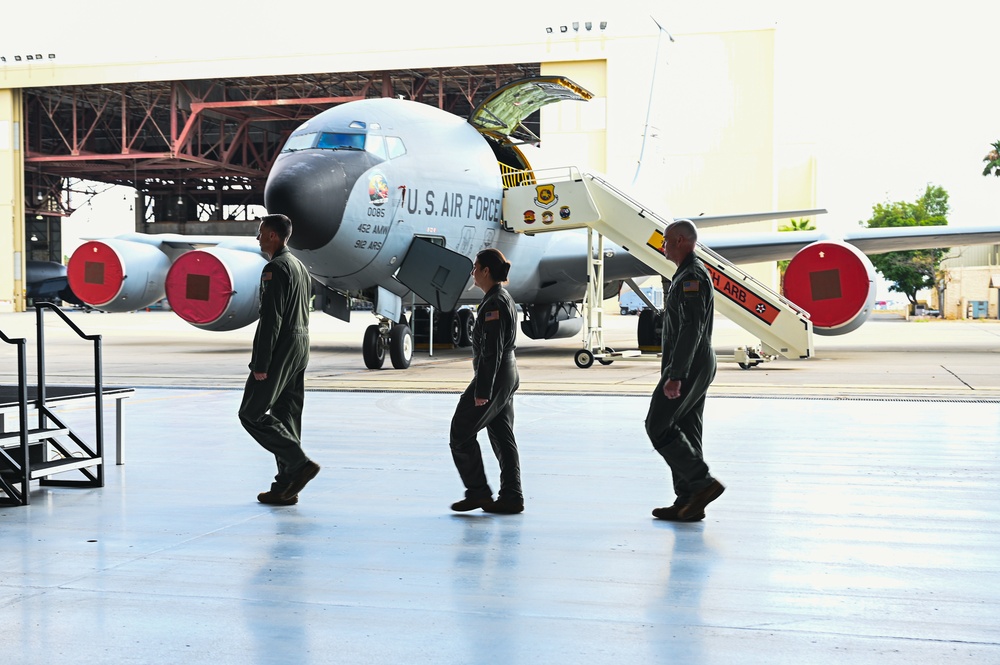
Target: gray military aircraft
(392, 199)
(46, 280)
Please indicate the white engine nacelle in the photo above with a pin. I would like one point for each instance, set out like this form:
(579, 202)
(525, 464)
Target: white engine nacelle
(216, 288)
(116, 275)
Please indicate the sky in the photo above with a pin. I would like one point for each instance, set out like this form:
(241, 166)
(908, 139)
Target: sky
(894, 94)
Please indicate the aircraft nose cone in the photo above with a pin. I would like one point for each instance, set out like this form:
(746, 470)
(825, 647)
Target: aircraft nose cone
(312, 191)
(312, 188)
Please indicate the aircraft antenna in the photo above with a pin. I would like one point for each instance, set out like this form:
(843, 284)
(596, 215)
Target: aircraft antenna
(652, 87)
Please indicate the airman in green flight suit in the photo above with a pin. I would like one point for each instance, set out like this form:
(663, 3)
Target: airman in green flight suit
(275, 390)
(675, 419)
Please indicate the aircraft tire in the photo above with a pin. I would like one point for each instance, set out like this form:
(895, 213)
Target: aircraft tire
(583, 358)
(466, 320)
(400, 346)
(624, 311)
(605, 361)
(454, 328)
(373, 348)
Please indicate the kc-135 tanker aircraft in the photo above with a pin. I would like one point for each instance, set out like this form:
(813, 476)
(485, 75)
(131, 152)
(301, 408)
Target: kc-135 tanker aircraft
(392, 199)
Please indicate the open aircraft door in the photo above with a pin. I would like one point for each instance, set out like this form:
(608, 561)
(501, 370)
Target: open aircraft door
(501, 116)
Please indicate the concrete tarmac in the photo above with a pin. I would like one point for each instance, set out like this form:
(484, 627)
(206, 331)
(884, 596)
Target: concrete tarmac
(885, 358)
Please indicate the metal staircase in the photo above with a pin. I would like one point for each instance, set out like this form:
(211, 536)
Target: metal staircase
(42, 445)
(565, 198)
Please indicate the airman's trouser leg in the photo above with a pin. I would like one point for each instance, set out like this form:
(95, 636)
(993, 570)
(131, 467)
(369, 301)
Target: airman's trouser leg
(272, 413)
(674, 427)
(501, 433)
(497, 416)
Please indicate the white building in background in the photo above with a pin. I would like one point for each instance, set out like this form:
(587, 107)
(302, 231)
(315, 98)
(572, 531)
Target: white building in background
(973, 283)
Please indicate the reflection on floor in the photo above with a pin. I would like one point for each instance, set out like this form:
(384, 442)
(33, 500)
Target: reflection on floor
(851, 531)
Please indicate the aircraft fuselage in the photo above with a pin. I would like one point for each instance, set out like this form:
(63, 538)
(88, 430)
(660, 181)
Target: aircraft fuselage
(361, 180)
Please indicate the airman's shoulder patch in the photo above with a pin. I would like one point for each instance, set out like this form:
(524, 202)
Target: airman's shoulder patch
(691, 285)
(265, 277)
(492, 315)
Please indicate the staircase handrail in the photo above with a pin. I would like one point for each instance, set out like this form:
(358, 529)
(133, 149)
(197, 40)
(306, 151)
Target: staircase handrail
(40, 308)
(643, 210)
(22, 412)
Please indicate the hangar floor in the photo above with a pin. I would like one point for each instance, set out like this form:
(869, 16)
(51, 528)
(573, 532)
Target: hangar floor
(852, 530)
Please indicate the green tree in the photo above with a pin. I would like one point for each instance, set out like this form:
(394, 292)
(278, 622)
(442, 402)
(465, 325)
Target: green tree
(912, 270)
(793, 225)
(992, 160)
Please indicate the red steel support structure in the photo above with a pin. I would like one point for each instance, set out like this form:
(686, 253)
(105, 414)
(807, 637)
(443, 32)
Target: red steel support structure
(200, 150)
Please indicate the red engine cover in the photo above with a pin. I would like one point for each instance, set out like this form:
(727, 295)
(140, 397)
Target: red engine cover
(118, 274)
(95, 273)
(216, 288)
(835, 283)
(199, 287)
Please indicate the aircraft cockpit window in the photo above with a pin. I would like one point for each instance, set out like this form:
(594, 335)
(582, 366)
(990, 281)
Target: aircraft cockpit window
(376, 146)
(299, 142)
(395, 146)
(340, 141)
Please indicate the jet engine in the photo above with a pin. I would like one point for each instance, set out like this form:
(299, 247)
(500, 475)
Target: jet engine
(116, 275)
(551, 321)
(835, 283)
(216, 288)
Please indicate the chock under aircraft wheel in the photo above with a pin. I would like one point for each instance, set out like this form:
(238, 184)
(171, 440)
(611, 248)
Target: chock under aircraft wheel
(583, 358)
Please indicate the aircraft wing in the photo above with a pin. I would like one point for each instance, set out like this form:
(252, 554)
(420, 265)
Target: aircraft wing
(501, 114)
(879, 241)
(710, 221)
(754, 247)
(176, 241)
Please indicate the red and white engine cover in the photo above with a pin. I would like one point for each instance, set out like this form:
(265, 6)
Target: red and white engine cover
(835, 283)
(216, 288)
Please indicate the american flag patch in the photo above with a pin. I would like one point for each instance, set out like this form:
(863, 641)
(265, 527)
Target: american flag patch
(691, 285)
(492, 316)
(265, 277)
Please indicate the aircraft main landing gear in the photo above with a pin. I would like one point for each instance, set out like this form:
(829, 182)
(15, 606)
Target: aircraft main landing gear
(387, 334)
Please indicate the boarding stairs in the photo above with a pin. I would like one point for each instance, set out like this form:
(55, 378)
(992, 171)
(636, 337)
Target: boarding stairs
(39, 444)
(565, 198)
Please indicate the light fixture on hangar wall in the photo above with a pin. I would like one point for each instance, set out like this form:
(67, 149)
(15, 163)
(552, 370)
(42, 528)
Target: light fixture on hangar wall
(32, 57)
(588, 26)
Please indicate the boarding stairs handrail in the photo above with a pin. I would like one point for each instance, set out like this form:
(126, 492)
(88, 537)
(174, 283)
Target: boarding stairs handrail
(588, 201)
(702, 248)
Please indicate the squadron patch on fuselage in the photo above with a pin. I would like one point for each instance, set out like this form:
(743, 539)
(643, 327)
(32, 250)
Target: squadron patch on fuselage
(529, 216)
(378, 189)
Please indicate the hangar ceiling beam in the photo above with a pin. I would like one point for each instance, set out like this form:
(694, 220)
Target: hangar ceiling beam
(198, 138)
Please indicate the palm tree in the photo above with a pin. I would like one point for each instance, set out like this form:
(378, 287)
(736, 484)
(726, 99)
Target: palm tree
(797, 225)
(992, 160)
(793, 225)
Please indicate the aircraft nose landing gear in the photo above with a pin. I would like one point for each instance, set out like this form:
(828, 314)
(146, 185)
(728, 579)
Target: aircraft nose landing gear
(386, 334)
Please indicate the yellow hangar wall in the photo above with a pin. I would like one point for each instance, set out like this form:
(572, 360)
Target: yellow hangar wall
(12, 263)
(712, 144)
